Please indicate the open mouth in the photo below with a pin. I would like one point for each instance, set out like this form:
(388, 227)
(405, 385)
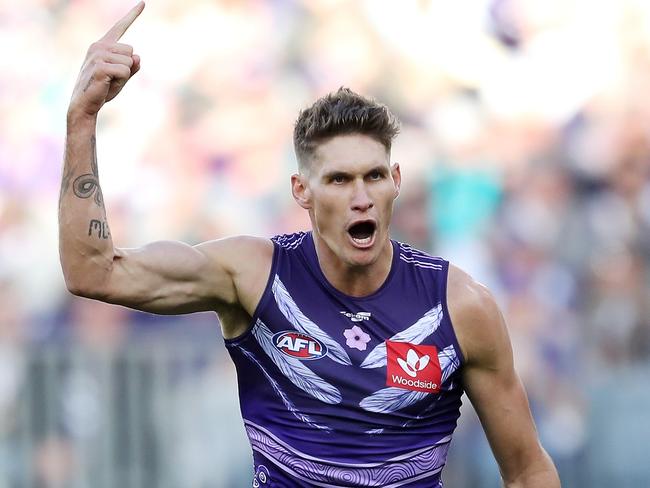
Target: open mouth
(362, 233)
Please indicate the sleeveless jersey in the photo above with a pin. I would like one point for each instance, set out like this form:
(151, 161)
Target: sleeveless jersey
(341, 391)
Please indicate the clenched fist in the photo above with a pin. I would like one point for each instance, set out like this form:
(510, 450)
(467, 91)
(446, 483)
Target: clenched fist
(106, 69)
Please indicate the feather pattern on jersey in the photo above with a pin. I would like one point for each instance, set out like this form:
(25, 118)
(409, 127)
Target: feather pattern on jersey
(287, 403)
(299, 374)
(449, 362)
(391, 399)
(299, 320)
(414, 334)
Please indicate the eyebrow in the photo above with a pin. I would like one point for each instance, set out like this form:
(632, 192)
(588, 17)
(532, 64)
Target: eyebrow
(330, 174)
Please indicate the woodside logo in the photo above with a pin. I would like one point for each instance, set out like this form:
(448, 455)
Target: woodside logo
(413, 367)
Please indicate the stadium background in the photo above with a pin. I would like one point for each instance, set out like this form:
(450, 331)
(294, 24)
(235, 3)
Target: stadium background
(525, 155)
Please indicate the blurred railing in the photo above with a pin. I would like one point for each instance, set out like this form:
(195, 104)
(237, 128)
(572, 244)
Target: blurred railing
(165, 414)
(147, 415)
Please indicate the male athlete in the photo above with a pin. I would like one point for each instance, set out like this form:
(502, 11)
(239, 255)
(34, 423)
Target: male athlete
(350, 371)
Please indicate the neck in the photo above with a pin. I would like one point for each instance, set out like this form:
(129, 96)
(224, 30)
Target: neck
(356, 281)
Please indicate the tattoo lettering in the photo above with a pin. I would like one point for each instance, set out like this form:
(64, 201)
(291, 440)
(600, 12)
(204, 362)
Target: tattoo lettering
(100, 227)
(87, 185)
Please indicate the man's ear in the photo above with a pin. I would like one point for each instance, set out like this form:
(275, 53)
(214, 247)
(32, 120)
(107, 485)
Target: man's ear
(397, 177)
(300, 190)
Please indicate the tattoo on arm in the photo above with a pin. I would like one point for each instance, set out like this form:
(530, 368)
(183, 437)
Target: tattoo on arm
(93, 160)
(100, 227)
(90, 81)
(85, 186)
(65, 182)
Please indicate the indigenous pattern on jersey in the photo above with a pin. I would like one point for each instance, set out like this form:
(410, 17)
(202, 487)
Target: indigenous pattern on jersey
(341, 391)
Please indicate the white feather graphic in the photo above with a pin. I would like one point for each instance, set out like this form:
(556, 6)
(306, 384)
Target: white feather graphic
(449, 362)
(299, 374)
(415, 334)
(298, 319)
(287, 403)
(391, 399)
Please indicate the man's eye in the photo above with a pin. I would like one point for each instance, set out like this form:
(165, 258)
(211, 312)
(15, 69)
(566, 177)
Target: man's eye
(375, 175)
(338, 178)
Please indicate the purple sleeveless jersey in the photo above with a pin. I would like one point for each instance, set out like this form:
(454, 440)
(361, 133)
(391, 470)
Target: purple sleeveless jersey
(338, 391)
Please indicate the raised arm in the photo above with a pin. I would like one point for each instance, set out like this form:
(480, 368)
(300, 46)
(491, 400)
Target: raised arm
(162, 277)
(493, 386)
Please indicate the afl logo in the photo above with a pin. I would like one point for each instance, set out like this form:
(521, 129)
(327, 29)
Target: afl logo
(298, 345)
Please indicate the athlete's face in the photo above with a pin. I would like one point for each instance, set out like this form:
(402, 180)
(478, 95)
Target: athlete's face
(349, 189)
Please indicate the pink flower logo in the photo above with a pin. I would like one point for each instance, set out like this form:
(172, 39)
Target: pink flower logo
(356, 338)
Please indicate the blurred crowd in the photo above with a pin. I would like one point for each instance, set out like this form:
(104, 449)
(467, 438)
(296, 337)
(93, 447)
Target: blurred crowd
(525, 152)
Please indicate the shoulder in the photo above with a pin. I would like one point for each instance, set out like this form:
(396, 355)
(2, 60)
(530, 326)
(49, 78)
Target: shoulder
(478, 322)
(237, 253)
(246, 261)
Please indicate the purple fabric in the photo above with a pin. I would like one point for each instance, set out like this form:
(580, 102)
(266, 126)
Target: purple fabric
(312, 374)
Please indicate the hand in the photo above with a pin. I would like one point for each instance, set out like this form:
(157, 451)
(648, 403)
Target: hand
(106, 69)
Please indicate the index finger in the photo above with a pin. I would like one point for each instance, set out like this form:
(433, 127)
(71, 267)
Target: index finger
(118, 30)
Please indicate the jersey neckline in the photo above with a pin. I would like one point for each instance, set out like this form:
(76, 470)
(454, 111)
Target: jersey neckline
(310, 249)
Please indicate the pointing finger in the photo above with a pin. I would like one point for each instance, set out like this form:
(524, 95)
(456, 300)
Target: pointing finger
(118, 30)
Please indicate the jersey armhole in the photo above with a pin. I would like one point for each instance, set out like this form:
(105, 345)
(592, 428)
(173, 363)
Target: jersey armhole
(445, 311)
(262, 303)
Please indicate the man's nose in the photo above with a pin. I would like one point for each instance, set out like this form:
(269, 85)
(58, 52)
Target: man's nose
(361, 200)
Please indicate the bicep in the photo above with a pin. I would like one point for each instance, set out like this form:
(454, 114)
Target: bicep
(170, 277)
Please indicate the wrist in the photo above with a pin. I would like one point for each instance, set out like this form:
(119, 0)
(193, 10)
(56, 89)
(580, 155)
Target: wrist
(78, 120)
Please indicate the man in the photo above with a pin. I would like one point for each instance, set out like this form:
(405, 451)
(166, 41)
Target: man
(350, 371)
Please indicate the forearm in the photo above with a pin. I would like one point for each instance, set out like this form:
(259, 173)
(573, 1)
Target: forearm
(85, 244)
(547, 479)
(541, 475)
